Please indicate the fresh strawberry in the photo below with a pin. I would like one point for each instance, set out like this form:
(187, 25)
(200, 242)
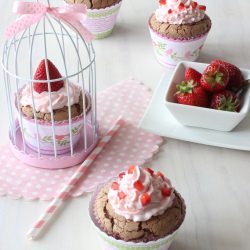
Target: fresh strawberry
(235, 76)
(145, 199)
(225, 100)
(192, 74)
(41, 75)
(162, 2)
(166, 192)
(138, 185)
(114, 186)
(191, 94)
(214, 78)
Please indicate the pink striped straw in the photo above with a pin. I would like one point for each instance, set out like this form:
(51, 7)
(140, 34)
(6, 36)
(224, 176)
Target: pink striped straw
(58, 201)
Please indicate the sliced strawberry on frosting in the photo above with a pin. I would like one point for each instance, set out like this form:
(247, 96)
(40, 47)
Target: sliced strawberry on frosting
(41, 74)
(145, 199)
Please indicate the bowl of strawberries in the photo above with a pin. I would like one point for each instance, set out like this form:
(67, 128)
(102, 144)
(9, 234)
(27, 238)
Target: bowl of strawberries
(212, 96)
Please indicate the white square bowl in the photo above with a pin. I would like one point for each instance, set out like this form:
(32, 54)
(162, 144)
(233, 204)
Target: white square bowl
(204, 117)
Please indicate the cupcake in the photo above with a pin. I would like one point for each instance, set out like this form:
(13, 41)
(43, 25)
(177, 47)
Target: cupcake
(43, 113)
(138, 210)
(101, 15)
(178, 30)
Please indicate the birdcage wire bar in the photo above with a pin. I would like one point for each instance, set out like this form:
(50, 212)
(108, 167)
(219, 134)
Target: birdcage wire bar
(47, 27)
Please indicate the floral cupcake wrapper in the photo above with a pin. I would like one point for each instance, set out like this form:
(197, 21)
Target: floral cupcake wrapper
(170, 51)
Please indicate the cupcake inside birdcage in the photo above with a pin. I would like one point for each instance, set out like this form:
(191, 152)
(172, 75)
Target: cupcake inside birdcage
(50, 84)
(58, 102)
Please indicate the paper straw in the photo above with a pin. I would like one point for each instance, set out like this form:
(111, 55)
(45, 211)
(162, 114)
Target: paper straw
(57, 202)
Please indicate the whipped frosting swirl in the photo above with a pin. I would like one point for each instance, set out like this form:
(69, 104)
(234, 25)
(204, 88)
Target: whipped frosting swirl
(180, 12)
(127, 194)
(42, 101)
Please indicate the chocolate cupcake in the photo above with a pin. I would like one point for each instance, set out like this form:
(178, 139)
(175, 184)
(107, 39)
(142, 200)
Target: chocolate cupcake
(140, 208)
(178, 30)
(36, 105)
(101, 15)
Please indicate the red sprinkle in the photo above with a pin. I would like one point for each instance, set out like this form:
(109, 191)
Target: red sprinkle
(121, 195)
(181, 6)
(115, 186)
(170, 11)
(121, 175)
(138, 185)
(202, 7)
(145, 199)
(163, 2)
(160, 174)
(166, 192)
(131, 169)
(194, 5)
(151, 171)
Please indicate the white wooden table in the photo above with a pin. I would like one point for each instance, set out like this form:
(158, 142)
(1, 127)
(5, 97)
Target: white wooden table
(215, 182)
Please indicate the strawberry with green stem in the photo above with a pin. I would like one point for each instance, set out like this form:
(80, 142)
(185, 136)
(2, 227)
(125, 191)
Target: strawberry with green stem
(191, 94)
(214, 78)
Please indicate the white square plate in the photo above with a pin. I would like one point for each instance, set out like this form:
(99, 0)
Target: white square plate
(159, 120)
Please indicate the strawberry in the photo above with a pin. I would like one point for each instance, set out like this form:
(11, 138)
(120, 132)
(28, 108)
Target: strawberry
(225, 100)
(151, 171)
(138, 185)
(235, 76)
(191, 94)
(162, 2)
(121, 175)
(166, 192)
(145, 199)
(114, 186)
(121, 195)
(181, 6)
(131, 169)
(41, 75)
(202, 7)
(160, 174)
(194, 5)
(192, 74)
(214, 78)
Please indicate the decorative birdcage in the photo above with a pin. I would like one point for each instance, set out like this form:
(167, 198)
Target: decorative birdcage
(52, 128)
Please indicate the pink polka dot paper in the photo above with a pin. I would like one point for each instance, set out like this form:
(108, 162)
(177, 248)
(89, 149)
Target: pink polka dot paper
(131, 145)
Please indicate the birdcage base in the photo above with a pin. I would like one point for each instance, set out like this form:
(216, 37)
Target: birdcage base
(32, 158)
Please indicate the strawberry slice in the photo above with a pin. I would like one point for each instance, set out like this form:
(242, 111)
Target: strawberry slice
(145, 199)
(181, 6)
(42, 75)
(192, 74)
(121, 175)
(166, 192)
(131, 169)
(138, 185)
(194, 5)
(160, 174)
(151, 171)
(202, 7)
(115, 186)
(121, 195)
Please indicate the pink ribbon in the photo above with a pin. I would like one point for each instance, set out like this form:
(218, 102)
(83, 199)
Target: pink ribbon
(33, 12)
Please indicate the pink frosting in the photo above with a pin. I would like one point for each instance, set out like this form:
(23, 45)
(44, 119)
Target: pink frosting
(170, 12)
(130, 204)
(42, 102)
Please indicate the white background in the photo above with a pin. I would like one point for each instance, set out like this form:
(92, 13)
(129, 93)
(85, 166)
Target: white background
(214, 181)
